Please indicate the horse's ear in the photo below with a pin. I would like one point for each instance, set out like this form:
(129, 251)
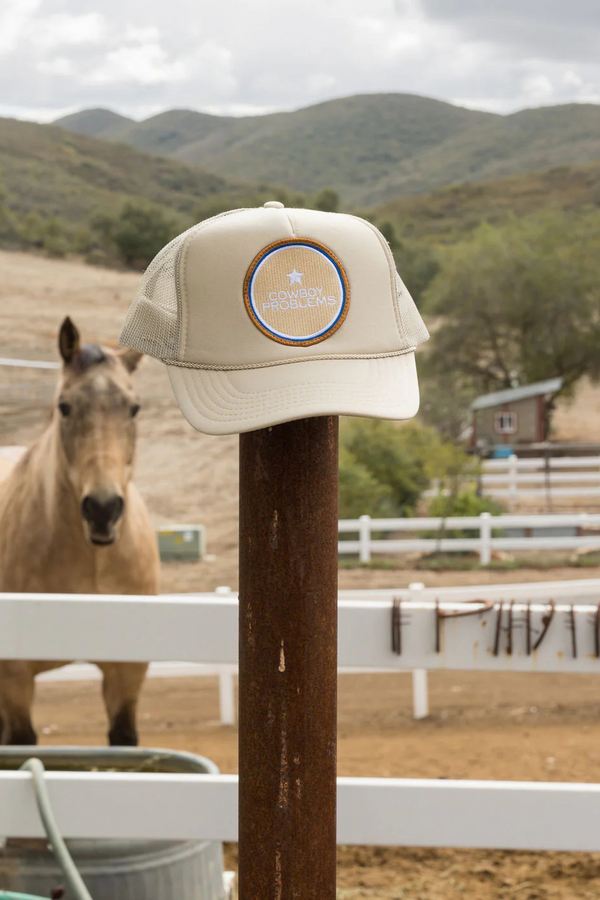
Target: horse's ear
(130, 359)
(68, 341)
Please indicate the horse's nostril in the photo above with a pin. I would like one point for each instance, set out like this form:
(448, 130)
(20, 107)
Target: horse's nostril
(118, 507)
(102, 513)
(88, 508)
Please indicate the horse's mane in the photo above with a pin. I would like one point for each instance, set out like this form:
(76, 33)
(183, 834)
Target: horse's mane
(89, 355)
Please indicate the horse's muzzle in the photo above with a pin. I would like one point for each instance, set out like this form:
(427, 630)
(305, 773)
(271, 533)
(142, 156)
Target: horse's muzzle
(102, 515)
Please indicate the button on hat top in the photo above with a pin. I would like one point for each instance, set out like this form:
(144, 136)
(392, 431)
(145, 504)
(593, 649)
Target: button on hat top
(273, 204)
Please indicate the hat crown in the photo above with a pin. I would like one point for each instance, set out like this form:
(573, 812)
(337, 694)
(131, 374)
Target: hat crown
(271, 285)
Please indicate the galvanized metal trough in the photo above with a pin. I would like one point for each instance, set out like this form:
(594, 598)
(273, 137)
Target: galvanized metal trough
(115, 870)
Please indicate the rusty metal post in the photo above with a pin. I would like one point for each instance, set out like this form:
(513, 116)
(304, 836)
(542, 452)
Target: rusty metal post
(288, 661)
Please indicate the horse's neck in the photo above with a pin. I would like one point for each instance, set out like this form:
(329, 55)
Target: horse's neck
(49, 490)
(42, 545)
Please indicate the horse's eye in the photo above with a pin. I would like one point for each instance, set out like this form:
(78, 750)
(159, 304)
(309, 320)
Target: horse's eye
(65, 408)
(135, 410)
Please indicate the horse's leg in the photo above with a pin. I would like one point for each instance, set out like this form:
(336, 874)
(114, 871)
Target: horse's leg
(121, 688)
(16, 699)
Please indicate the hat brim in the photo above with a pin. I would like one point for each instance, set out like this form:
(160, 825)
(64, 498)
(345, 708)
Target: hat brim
(239, 400)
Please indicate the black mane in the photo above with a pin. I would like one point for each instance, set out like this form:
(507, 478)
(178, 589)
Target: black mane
(90, 355)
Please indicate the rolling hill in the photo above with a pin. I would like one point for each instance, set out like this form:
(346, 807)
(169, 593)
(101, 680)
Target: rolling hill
(371, 148)
(58, 173)
(450, 213)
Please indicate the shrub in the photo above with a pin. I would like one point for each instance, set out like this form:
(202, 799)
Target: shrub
(327, 200)
(55, 239)
(386, 466)
(392, 458)
(464, 503)
(136, 232)
(360, 493)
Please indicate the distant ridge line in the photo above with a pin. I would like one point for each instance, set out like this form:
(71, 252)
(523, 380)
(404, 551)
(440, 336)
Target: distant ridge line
(370, 147)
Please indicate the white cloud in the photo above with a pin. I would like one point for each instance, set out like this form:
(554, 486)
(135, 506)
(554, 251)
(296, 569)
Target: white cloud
(58, 65)
(145, 35)
(250, 56)
(538, 89)
(15, 16)
(142, 64)
(62, 30)
(572, 79)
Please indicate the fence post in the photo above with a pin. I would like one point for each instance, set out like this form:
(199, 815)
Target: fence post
(288, 661)
(226, 696)
(513, 469)
(364, 539)
(226, 691)
(419, 676)
(485, 535)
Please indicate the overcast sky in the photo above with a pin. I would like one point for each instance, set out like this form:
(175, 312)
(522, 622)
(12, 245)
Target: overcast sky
(139, 57)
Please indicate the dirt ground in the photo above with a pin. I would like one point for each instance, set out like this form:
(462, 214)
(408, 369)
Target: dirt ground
(500, 726)
(506, 726)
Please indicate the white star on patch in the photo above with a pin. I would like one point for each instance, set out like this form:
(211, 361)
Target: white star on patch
(295, 277)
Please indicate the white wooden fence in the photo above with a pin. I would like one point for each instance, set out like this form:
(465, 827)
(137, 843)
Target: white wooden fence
(514, 478)
(415, 812)
(375, 811)
(484, 543)
(202, 628)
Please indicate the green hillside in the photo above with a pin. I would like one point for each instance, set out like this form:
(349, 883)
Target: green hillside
(531, 140)
(350, 144)
(94, 122)
(168, 132)
(450, 213)
(371, 148)
(72, 176)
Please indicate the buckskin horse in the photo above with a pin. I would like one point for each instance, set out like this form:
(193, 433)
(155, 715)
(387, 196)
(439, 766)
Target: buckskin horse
(71, 521)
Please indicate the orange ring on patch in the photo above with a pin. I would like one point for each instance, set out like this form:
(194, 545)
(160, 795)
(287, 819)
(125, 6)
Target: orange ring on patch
(331, 258)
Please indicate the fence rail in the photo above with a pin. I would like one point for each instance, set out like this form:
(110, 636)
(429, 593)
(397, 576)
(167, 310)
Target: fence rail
(203, 628)
(373, 811)
(378, 629)
(29, 382)
(514, 478)
(485, 543)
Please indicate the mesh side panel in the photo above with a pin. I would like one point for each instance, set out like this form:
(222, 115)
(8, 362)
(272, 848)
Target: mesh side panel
(414, 326)
(153, 323)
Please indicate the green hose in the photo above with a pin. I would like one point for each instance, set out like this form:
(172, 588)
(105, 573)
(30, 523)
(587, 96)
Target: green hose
(8, 895)
(57, 845)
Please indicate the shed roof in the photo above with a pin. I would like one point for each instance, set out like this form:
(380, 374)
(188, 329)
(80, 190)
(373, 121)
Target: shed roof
(551, 386)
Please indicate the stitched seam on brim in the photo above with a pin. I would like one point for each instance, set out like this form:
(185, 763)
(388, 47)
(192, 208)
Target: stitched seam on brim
(285, 362)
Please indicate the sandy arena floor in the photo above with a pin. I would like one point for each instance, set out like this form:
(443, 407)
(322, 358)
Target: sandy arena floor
(522, 727)
(513, 727)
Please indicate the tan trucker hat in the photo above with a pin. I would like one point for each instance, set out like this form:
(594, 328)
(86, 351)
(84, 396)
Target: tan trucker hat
(271, 314)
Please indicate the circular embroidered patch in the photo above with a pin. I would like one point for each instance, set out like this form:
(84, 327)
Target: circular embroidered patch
(296, 292)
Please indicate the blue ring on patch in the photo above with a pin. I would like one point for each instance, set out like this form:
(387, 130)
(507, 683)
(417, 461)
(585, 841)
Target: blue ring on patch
(342, 280)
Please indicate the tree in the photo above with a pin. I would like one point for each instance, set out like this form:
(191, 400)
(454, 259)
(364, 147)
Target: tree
(55, 238)
(445, 402)
(327, 200)
(392, 455)
(518, 304)
(386, 466)
(136, 232)
(8, 225)
(359, 491)
(417, 263)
